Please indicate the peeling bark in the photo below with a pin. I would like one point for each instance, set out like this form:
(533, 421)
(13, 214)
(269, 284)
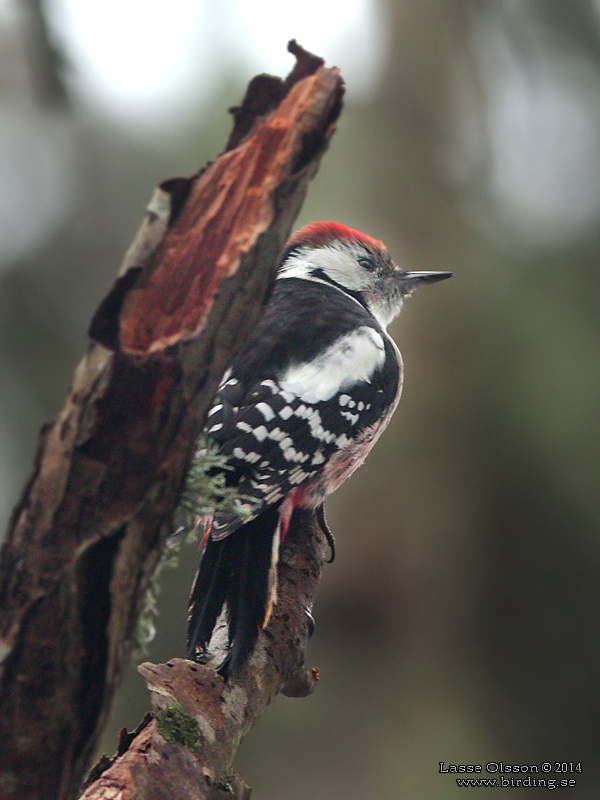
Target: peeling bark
(87, 534)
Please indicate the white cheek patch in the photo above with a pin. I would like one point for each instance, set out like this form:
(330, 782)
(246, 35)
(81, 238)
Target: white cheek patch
(352, 359)
(338, 262)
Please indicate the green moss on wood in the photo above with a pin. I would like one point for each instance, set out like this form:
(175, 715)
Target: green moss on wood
(178, 728)
(205, 492)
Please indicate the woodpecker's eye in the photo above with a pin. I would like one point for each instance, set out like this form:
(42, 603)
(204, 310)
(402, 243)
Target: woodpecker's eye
(367, 262)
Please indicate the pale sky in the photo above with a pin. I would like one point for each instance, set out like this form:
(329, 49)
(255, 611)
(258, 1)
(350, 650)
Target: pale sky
(141, 58)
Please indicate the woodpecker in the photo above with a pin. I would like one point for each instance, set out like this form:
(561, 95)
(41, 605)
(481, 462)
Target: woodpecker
(297, 414)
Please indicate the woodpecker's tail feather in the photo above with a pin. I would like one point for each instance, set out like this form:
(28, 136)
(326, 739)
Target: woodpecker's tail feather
(238, 572)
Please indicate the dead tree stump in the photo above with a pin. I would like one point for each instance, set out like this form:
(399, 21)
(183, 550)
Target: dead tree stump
(88, 531)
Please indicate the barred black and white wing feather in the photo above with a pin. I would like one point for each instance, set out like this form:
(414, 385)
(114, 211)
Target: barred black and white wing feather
(279, 433)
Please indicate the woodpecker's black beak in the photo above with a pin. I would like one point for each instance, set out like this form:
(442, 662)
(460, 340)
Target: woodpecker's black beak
(410, 281)
(426, 277)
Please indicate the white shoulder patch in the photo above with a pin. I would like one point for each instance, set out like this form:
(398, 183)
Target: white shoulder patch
(352, 359)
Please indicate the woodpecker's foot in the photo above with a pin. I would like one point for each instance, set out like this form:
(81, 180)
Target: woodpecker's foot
(320, 512)
(310, 621)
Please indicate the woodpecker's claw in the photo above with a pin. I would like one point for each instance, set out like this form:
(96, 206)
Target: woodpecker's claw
(310, 621)
(320, 512)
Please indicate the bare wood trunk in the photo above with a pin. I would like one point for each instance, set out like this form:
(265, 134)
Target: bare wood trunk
(88, 531)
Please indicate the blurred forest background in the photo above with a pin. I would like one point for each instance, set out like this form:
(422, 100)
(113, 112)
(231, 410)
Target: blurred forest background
(461, 619)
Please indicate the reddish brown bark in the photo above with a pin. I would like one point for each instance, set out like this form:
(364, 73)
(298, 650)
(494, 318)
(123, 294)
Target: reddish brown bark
(87, 533)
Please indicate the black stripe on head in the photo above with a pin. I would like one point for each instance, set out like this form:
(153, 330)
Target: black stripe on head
(320, 273)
